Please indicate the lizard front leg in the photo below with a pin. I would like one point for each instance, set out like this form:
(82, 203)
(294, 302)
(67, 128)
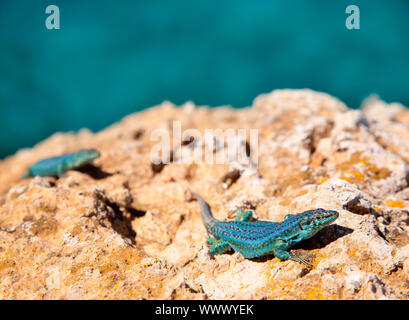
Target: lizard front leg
(217, 246)
(280, 251)
(60, 170)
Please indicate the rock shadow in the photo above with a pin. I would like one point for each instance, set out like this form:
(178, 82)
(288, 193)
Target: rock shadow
(122, 222)
(94, 172)
(121, 219)
(323, 237)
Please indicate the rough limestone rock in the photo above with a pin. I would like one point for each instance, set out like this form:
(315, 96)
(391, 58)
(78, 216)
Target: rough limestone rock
(127, 228)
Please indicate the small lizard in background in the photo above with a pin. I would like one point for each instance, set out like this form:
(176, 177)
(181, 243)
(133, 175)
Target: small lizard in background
(57, 166)
(259, 238)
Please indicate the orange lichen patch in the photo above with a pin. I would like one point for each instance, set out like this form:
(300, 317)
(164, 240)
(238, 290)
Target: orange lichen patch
(77, 271)
(116, 281)
(120, 259)
(149, 262)
(317, 260)
(117, 284)
(108, 266)
(113, 269)
(5, 259)
(6, 263)
(314, 294)
(285, 202)
(351, 253)
(353, 176)
(301, 193)
(395, 203)
(272, 264)
(76, 267)
(376, 173)
(370, 171)
(321, 180)
(281, 286)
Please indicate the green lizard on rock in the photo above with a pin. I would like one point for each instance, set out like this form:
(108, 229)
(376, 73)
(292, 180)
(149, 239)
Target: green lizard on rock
(57, 166)
(260, 238)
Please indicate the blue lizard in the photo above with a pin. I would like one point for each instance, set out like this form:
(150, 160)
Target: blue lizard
(57, 166)
(260, 238)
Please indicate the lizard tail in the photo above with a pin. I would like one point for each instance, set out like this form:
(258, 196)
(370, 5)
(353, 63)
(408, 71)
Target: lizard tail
(206, 213)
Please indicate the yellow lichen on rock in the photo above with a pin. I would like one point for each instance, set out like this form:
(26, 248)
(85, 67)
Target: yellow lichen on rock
(395, 203)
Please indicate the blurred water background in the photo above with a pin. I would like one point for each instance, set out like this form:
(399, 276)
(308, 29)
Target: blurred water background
(111, 58)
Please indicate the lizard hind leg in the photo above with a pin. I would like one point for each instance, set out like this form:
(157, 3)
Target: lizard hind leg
(217, 246)
(242, 215)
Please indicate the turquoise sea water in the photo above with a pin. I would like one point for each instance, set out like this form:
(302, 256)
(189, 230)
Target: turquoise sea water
(111, 58)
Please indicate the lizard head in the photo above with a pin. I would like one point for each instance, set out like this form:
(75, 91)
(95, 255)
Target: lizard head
(315, 220)
(86, 156)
